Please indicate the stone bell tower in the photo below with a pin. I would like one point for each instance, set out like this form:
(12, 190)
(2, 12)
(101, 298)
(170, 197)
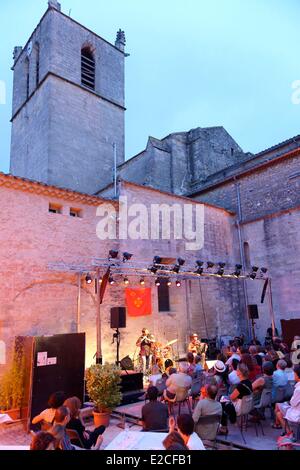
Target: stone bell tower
(68, 105)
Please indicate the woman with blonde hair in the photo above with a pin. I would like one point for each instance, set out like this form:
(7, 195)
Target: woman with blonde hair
(87, 438)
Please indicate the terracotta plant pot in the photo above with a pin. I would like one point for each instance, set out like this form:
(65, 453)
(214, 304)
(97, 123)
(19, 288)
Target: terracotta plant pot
(101, 419)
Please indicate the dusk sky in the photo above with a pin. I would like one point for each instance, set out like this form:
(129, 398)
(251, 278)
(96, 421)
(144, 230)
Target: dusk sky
(192, 63)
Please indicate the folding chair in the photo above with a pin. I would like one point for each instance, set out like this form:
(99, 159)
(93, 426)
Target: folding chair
(265, 402)
(209, 419)
(74, 437)
(246, 407)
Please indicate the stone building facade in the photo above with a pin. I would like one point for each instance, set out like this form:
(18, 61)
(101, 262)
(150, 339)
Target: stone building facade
(67, 142)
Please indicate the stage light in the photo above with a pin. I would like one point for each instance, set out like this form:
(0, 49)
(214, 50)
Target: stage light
(264, 270)
(88, 279)
(153, 269)
(111, 280)
(220, 271)
(157, 260)
(199, 263)
(176, 269)
(169, 283)
(142, 281)
(210, 264)
(238, 270)
(127, 256)
(113, 254)
(199, 271)
(126, 281)
(178, 283)
(100, 280)
(180, 261)
(255, 269)
(252, 276)
(157, 282)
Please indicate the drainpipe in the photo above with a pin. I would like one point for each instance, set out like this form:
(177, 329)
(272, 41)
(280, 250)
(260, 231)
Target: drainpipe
(242, 255)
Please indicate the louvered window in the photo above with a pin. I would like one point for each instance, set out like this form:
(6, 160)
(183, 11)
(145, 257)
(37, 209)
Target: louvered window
(87, 69)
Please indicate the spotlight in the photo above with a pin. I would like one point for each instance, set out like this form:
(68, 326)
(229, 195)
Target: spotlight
(127, 256)
(199, 263)
(126, 281)
(180, 261)
(153, 269)
(111, 280)
(252, 276)
(169, 283)
(264, 270)
(255, 269)
(157, 260)
(88, 279)
(157, 282)
(210, 264)
(100, 280)
(238, 270)
(178, 283)
(113, 254)
(176, 269)
(142, 281)
(199, 271)
(220, 271)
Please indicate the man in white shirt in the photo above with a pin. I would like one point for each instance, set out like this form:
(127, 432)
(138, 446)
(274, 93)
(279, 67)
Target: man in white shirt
(178, 381)
(185, 427)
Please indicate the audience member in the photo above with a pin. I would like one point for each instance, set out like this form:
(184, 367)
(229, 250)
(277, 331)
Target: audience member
(234, 355)
(253, 367)
(289, 411)
(198, 366)
(185, 426)
(155, 375)
(280, 378)
(178, 381)
(154, 414)
(191, 364)
(265, 382)
(43, 441)
(174, 441)
(233, 377)
(46, 417)
(87, 438)
(207, 407)
(253, 350)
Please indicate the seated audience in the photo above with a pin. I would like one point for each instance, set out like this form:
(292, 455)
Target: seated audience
(191, 364)
(155, 375)
(198, 366)
(289, 370)
(207, 407)
(280, 378)
(168, 365)
(231, 407)
(253, 367)
(46, 417)
(233, 377)
(154, 414)
(61, 419)
(185, 427)
(253, 350)
(234, 355)
(42, 441)
(87, 438)
(289, 411)
(220, 374)
(265, 382)
(178, 381)
(174, 441)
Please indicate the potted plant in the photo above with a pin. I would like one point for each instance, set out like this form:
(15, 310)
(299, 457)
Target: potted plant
(103, 387)
(12, 385)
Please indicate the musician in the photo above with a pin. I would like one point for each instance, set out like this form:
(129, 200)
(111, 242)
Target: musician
(145, 343)
(198, 348)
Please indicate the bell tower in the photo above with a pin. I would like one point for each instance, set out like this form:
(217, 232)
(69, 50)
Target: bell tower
(68, 105)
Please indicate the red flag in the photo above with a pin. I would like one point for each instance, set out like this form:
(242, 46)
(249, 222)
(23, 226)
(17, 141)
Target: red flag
(138, 301)
(104, 284)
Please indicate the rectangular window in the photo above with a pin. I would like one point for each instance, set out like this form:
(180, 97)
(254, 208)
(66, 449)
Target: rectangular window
(75, 212)
(163, 296)
(55, 208)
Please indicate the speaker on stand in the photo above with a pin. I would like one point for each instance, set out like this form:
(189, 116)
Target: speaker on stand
(117, 321)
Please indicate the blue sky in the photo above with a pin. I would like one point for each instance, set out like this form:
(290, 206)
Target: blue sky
(192, 63)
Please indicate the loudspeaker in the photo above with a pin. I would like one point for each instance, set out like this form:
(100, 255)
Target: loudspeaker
(118, 317)
(126, 363)
(253, 312)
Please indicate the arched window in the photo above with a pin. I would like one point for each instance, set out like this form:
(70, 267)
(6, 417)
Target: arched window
(247, 255)
(87, 68)
(27, 77)
(37, 63)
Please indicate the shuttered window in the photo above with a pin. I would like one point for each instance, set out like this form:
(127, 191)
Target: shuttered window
(87, 68)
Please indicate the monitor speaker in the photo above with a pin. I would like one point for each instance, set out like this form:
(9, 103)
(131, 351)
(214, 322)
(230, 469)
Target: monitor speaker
(253, 312)
(126, 363)
(118, 317)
